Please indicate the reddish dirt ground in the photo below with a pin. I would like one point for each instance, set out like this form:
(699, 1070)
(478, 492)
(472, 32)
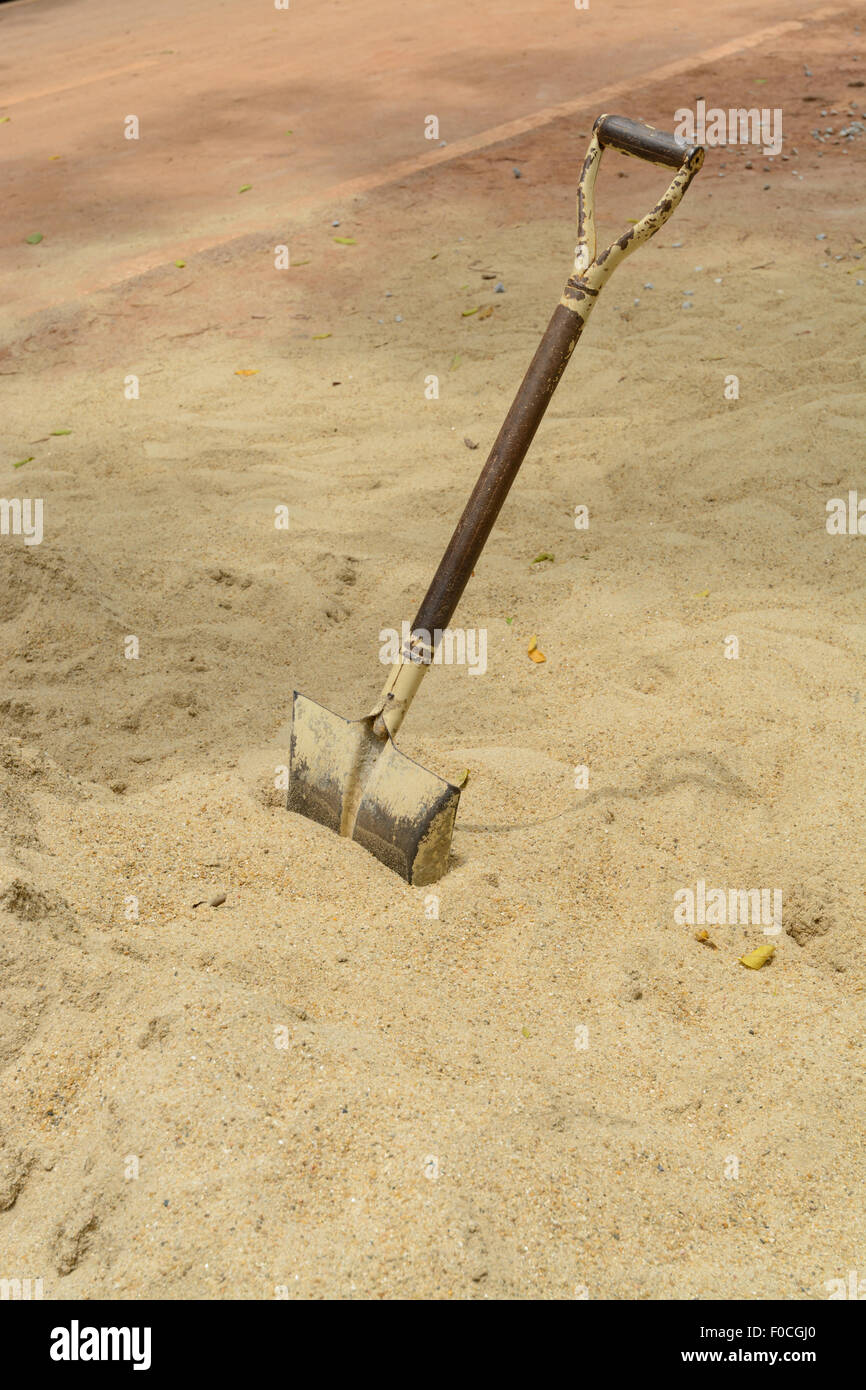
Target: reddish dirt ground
(216, 88)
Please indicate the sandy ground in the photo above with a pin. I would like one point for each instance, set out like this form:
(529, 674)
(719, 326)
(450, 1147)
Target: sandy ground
(319, 1087)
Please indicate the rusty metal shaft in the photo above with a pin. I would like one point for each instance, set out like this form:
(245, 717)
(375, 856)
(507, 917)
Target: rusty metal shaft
(500, 470)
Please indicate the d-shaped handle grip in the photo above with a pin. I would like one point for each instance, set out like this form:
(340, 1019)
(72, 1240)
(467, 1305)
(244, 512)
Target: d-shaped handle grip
(641, 140)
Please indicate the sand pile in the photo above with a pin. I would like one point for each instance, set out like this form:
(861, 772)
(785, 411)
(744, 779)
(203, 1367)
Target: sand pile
(530, 1080)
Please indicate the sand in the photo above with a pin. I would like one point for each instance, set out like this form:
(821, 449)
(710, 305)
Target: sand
(530, 1081)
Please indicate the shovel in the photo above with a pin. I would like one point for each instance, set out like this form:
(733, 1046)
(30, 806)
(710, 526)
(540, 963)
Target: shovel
(348, 774)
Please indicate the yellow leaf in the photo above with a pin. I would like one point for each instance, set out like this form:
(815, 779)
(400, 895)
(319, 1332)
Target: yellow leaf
(320, 335)
(247, 371)
(485, 313)
(755, 959)
(533, 653)
(461, 781)
(467, 313)
(525, 1031)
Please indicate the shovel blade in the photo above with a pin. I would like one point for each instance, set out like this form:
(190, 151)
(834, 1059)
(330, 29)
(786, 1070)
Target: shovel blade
(345, 777)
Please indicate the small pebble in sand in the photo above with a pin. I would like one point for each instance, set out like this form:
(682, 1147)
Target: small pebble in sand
(217, 900)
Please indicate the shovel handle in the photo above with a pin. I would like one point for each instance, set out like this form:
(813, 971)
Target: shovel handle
(500, 470)
(641, 140)
(591, 272)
